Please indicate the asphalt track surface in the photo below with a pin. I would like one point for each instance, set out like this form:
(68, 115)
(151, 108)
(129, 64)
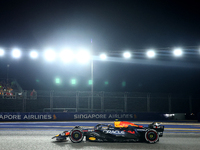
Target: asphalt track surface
(37, 135)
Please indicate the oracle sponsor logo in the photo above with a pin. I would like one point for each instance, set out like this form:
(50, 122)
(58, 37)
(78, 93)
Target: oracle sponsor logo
(113, 132)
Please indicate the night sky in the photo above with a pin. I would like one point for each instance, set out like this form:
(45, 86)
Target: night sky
(114, 26)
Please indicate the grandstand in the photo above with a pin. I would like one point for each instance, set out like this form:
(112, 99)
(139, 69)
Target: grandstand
(10, 89)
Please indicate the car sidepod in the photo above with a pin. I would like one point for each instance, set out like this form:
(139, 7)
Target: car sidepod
(95, 137)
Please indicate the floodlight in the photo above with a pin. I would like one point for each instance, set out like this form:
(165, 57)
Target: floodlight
(16, 53)
(57, 80)
(178, 52)
(66, 55)
(90, 82)
(106, 82)
(103, 56)
(49, 55)
(151, 53)
(127, 54)
(83, 56)
(33, 54)
(123, 84)
(73, 81)
(1, 52)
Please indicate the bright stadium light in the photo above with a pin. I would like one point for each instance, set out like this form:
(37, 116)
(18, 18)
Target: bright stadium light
(151, 54)
(83, 56)
(49, 55)
(33, 54)
(66, 56)
(57, 80)
(90, 82)
(103, 56)
(1, 52)
(16, 53)
(178, 52)
(127, 55)
(73, 81)
(123, 84)
(106, 82)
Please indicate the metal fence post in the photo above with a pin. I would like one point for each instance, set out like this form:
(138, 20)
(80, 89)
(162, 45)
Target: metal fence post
(170, 102)
(102, 102)
(88, 103)
(148, 102)
(125, 101)
(190, 103)
(77, 101)
(24, 101)
(51, 101)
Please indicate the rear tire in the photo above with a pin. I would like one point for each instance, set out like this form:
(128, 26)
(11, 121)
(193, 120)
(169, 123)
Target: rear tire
(152, 136)
(76, 135)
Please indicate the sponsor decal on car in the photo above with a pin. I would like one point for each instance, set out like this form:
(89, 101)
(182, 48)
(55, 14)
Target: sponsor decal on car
(85, 130)
(92, 138)
(141, 129)
(113, 132)
(131, 132)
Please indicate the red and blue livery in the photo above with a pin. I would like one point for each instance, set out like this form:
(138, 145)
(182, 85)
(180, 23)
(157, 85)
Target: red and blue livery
(122, 131)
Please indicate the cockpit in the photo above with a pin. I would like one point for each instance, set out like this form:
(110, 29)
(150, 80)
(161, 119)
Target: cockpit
(103, 126)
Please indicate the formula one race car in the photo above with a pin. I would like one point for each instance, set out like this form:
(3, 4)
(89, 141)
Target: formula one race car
(121, 132)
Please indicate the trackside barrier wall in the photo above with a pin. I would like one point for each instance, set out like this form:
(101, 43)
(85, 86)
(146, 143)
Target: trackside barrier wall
(81, 116)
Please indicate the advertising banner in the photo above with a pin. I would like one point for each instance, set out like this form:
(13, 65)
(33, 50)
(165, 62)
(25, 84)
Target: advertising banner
(6, 116)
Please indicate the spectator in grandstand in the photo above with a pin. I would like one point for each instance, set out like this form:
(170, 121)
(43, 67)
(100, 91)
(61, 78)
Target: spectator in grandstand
(33, 94)
(5, 89)
(1, 89)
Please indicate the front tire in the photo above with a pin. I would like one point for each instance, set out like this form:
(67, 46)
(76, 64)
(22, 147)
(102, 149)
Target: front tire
(76, 135)
(152, 136)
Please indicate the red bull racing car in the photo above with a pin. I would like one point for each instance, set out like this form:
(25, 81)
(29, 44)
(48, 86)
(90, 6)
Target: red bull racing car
(122, 131)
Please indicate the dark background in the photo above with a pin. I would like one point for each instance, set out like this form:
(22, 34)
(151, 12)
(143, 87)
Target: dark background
(113, 26)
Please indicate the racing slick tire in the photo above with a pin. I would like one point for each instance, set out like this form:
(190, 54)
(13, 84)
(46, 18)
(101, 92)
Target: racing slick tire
(151, 136)
(76, 135)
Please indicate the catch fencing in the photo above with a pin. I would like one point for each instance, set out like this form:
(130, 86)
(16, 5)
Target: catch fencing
(82, 101)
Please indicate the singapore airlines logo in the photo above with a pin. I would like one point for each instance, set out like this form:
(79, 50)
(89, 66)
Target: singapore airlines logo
(54, 117)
